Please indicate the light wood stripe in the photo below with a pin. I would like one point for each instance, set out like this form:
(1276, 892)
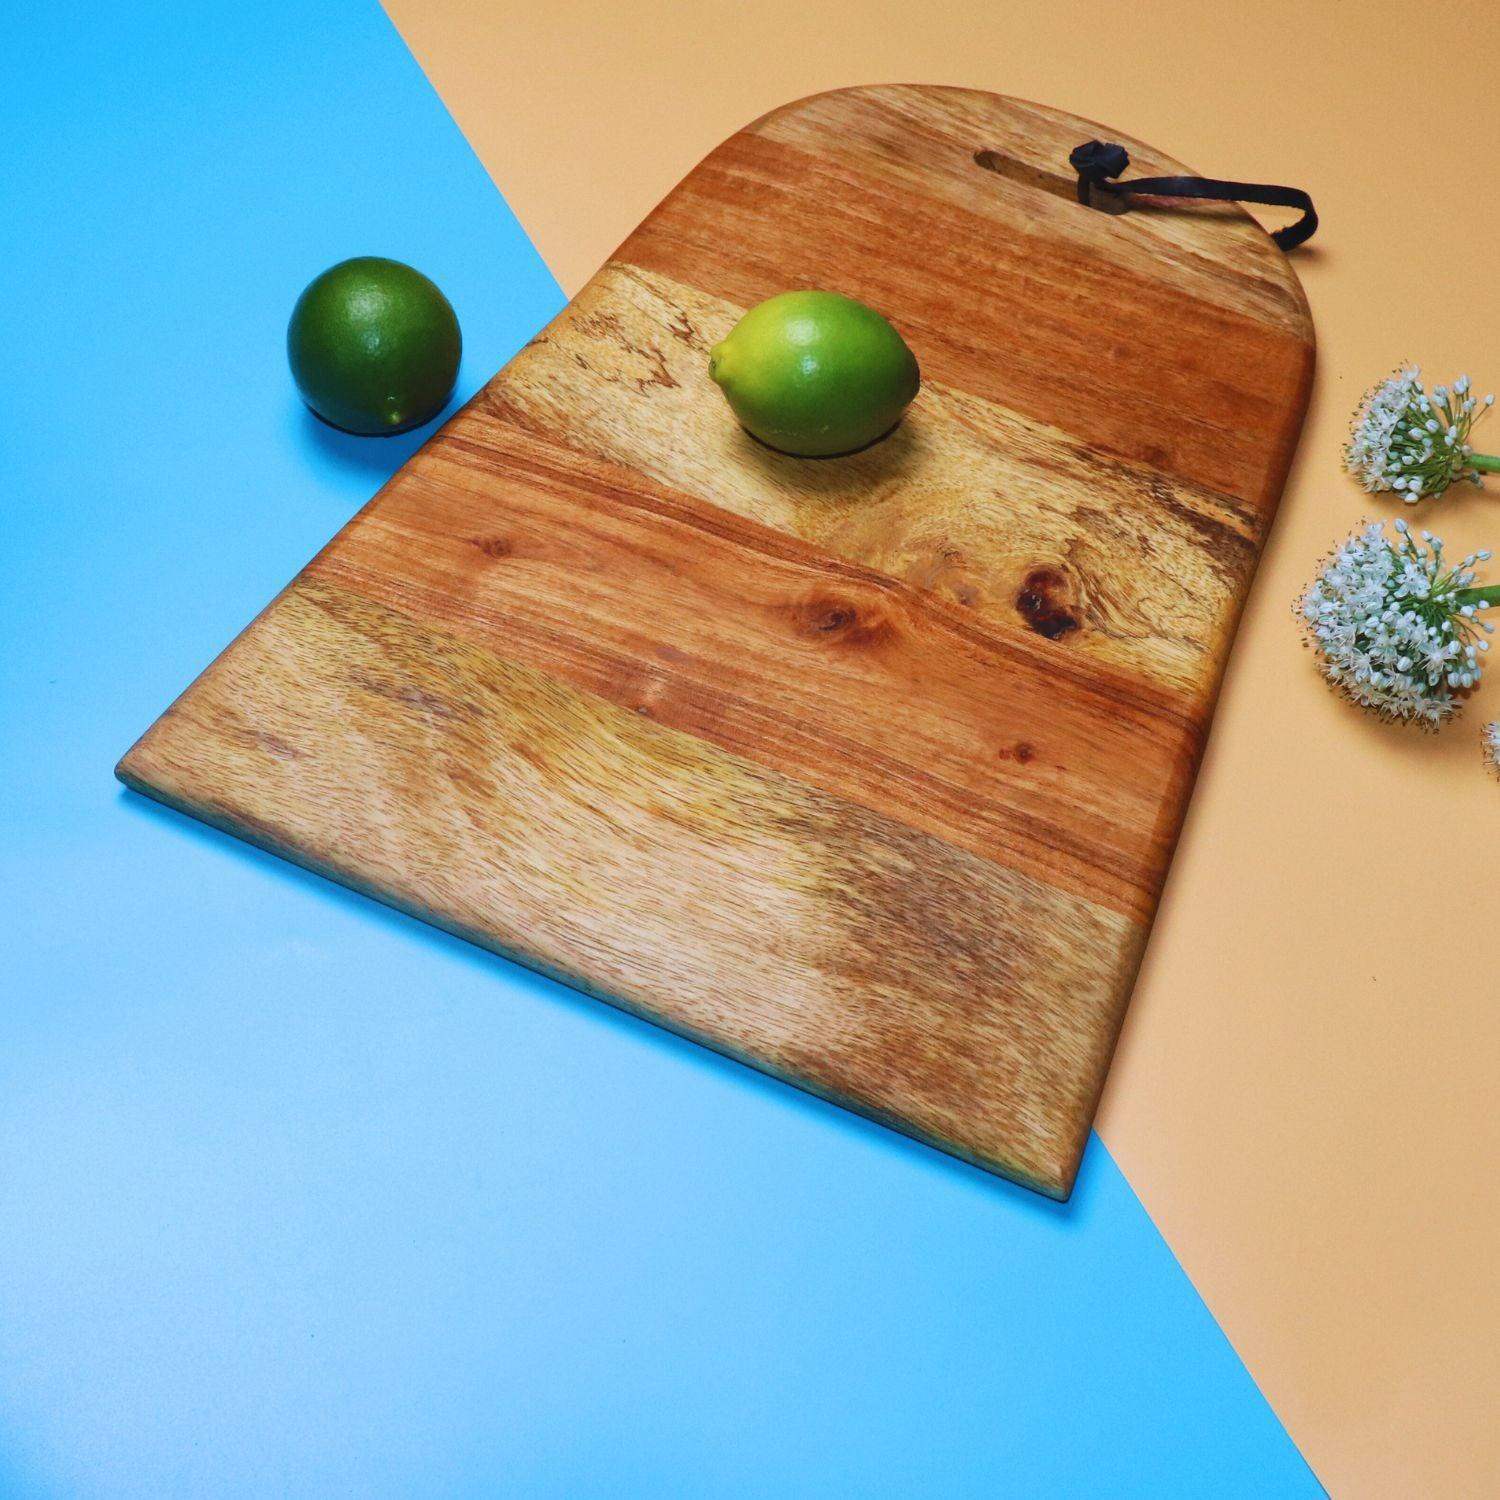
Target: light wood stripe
(996, 513)
(1124, 361)
(727, 902)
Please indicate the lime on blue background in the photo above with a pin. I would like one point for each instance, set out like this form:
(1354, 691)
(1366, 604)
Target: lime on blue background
(297, 1196)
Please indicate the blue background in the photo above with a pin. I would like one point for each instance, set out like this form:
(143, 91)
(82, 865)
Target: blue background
(299, 1197)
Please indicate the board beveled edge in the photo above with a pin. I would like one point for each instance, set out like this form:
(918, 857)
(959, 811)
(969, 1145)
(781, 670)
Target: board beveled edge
(134, 775)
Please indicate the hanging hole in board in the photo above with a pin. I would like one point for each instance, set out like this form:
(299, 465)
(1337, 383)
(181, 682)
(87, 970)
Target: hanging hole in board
(1060, 186)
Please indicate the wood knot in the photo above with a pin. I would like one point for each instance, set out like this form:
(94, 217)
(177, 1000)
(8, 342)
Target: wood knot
(1044, 602)
(837, 619)
(493, 546)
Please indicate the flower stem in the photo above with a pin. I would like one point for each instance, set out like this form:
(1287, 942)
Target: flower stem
(1488, 463)
(1487, 595)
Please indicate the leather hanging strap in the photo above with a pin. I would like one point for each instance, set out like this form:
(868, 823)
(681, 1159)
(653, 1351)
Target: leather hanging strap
(1100, 163)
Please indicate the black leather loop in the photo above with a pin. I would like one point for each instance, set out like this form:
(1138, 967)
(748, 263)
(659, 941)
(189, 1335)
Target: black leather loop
(1100, 163)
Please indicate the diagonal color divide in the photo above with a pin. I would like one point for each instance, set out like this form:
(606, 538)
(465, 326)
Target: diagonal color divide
(1308, 1120)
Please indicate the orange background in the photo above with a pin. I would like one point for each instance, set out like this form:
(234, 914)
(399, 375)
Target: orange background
(1304, 1095)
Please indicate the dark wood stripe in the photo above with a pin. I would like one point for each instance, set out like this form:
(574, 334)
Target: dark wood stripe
(844, 678)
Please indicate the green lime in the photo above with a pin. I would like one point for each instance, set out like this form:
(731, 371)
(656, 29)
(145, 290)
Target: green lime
(815, 373)
(374, 346)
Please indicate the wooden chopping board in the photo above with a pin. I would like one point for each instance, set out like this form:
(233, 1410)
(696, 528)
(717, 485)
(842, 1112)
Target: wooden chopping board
(865, 771)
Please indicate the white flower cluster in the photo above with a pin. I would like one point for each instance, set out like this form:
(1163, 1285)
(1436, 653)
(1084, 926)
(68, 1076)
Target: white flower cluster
(1491, 734)
(1389, 628)
(1414, 441)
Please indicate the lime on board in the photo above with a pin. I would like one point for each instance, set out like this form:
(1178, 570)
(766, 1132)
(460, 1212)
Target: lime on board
(815, 373)
(374, 346)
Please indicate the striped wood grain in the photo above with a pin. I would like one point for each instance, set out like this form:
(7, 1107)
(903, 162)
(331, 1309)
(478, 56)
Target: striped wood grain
(726, 901)
(866, 771)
